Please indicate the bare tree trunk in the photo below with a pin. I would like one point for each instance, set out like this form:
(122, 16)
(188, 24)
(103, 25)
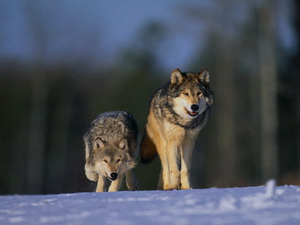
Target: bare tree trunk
(226, 106)
(38, 115)
(296, 79)
(37, 135)
(59, 143)
(268, 90)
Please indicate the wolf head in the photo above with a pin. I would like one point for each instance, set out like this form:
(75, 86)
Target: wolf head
(111, 160)
(190, 93)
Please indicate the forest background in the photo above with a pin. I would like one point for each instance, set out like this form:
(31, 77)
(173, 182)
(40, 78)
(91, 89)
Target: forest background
(64, 62)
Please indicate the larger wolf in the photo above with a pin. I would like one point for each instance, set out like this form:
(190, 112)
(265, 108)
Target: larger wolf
(110, 145)
(177, 113)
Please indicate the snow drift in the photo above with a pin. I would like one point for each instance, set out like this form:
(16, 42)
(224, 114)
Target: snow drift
(250, 205)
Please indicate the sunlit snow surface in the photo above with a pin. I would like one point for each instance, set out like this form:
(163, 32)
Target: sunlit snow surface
(251, 205)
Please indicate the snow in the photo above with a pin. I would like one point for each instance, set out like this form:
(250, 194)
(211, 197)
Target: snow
(250, 205)
(271, 187)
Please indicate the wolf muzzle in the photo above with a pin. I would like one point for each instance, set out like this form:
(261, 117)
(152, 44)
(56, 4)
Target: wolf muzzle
(113, 176)
(194, 110)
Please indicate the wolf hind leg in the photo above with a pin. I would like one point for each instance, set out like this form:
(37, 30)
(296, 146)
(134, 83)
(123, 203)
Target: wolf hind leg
(100, 184)
(160, 184)
(116, 184)
(131, 181)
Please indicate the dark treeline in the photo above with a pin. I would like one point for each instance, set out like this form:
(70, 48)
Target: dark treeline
(70, 103)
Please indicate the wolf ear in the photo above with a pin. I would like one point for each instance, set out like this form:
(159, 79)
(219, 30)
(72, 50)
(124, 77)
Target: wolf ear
(204, 76)
(123, 144)
(99, 144)
(176, 77)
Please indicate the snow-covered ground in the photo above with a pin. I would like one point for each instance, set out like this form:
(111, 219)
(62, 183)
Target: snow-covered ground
(251, 205)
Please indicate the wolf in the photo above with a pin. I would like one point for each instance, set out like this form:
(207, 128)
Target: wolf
(178, 112)
(110, 150)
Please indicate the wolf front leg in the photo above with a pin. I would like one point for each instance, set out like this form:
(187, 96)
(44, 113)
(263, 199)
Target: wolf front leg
(186, 155)
(100, 184)
(131, 181)
(116, 184)
(164, 177)
(172, 154)
(186, 151)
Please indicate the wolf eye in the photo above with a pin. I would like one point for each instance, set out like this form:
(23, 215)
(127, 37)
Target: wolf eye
(185, 93)
(118, 160)
(105, 160)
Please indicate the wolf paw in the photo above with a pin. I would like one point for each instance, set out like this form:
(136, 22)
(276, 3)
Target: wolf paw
(186, 188)
(170, 188)
(133, 188)
(132, 185)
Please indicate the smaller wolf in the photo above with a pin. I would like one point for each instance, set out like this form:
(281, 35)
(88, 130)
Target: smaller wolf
(110, 145)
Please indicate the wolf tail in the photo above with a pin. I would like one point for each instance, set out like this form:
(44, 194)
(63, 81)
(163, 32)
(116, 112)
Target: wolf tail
(148, 149)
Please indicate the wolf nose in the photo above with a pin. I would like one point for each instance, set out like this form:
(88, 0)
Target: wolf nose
(195, 107)
(113, 176)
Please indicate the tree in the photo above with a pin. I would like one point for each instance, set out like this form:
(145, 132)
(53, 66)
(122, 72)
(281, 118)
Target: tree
(268, 89)
(38, 114)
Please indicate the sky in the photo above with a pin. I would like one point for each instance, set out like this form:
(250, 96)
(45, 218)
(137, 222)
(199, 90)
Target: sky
(101, 30)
